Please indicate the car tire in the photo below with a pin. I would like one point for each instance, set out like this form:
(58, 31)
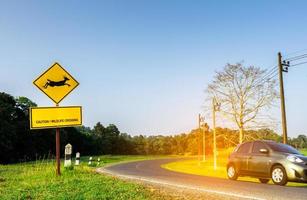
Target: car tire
(264, 180)
(232, 172)
(279, 175)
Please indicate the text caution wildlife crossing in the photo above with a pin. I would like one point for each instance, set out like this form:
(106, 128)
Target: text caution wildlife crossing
(56, 83)
(55, 117)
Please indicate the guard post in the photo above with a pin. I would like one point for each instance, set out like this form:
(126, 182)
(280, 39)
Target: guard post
(77, 159)
(68, 152)
(90, 161)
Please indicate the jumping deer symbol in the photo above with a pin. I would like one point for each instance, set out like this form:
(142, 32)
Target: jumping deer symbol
(56, 83)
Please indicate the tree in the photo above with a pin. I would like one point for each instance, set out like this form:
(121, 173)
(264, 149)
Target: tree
(140, 142)
(299, 142)
(243, 92)
(8, 116)
(24, 103)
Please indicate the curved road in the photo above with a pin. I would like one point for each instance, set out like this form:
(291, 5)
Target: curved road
(150, 171)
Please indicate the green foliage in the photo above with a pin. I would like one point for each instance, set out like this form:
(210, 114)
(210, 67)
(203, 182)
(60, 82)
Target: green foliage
(24, 103)
(300, 142)
(303, 151)
(8, 119)
(18, 143)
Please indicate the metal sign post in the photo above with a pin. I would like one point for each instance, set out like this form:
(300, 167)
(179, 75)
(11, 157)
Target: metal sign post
(57, 147)
(57, 150)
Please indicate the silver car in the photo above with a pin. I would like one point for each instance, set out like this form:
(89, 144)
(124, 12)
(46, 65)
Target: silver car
(267, 160)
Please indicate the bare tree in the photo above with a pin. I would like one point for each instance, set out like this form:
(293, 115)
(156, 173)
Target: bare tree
(243, 93)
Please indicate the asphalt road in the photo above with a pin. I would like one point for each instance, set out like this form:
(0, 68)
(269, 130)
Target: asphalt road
(150, 171)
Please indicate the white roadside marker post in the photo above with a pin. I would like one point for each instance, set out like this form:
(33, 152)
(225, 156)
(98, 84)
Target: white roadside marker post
(90, 161)
(68, 151)
(77, 158)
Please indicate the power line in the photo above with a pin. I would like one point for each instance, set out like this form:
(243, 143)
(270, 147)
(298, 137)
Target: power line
(281, 64)
(269, 71)
(269, 77)
(295, 52)
(266, 80)
(265, 77)
(296, 57)
(298, 64)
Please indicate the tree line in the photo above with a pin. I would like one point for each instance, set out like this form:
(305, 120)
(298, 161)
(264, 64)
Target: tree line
(18, 143)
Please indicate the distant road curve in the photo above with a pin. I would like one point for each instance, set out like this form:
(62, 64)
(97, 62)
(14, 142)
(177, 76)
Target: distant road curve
(149, 171)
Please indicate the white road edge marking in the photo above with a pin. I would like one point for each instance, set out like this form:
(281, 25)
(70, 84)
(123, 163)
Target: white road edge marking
(103, 170)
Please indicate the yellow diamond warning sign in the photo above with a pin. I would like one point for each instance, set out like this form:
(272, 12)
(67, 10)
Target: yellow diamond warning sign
(56, 83)
(55, 117)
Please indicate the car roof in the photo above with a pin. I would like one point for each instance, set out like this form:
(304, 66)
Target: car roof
(266, 141)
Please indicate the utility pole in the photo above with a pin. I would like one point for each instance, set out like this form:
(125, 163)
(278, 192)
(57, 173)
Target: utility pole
(282, 96)
(215, 107)
(204, 145)
(201, 121)
(199, 133)
(205, 130)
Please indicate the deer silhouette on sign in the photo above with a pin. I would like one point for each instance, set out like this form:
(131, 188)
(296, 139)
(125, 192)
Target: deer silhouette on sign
(57, 83)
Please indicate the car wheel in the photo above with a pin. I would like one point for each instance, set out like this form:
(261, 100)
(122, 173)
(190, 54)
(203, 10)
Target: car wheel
(231, 172)
(279, 175)
(264, 180)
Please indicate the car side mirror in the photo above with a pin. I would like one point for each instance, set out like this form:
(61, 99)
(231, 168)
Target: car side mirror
(264, 151)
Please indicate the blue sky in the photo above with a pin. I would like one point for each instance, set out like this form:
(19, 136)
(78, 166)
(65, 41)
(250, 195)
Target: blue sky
(144, 65)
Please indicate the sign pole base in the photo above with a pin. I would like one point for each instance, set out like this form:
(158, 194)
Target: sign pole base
(58, 161)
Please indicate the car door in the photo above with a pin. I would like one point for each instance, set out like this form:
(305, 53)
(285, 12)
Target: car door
(259, 162)
(242, 156)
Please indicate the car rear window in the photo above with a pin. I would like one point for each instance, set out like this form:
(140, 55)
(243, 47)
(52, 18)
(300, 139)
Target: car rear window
(282, 148)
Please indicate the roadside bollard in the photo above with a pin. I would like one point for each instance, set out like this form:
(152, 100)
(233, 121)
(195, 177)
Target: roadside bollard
(68, 151)
(90, 161)
(77, 158)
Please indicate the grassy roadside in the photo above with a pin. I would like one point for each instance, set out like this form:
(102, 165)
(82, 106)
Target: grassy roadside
(37, 180)
(304, 151)
(206, 168)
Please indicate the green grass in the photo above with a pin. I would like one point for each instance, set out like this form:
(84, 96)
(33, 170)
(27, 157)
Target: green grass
(37, 180)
